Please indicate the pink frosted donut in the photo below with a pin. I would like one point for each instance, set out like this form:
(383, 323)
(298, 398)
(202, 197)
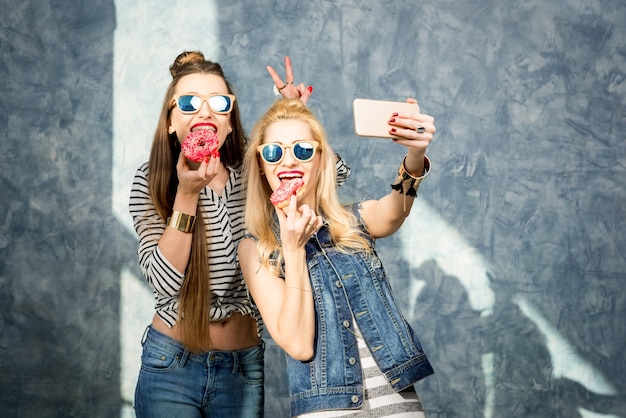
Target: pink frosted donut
(280, 197)
(200, 144)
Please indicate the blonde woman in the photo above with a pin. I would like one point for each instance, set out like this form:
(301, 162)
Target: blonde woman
(312, 270)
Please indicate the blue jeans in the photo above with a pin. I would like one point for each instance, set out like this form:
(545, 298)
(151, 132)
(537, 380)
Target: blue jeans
(174, 383)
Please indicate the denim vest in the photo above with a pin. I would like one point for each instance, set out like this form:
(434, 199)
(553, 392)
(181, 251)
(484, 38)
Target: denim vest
(346, 288)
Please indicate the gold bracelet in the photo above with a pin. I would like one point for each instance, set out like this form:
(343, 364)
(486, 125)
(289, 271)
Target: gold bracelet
(181, 221)
(403, 173)
(407, 183)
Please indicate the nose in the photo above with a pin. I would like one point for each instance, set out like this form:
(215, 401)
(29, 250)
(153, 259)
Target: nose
(205, 109)
(288, 158)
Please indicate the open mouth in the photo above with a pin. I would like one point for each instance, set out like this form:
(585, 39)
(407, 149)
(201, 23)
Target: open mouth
(204, 128)
(289, 176)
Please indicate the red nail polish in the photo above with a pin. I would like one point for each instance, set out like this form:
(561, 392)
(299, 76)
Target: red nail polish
(310, 89)
(392, 120)
(393, 129)
(395, 114)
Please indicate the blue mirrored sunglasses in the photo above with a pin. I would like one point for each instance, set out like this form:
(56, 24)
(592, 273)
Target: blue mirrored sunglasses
(274, 153)
(191, 103)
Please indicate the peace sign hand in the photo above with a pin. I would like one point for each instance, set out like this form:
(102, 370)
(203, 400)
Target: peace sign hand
(287, 88)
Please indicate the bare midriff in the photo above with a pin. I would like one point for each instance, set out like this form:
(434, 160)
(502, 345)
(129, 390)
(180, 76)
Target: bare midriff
(233, 333)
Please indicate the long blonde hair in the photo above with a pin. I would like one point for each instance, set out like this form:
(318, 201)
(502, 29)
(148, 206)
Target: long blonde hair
(195, 296)
(260, 213)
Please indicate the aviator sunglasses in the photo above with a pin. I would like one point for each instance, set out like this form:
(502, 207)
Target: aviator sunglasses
(191, 103)
(303, 151)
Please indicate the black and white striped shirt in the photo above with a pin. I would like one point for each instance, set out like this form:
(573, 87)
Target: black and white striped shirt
(224, 219)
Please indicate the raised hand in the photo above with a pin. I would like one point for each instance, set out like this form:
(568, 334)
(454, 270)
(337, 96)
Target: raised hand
(287, 88)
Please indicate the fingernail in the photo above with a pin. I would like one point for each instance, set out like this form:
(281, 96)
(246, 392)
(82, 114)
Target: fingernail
(393, 129)
(394, 114)
(392, 120)
(310, 89)
(206, 160)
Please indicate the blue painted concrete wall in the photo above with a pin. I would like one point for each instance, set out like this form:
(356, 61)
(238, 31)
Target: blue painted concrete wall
(512, 266)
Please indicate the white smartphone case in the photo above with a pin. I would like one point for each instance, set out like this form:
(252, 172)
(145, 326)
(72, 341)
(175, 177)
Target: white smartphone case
(371, 116)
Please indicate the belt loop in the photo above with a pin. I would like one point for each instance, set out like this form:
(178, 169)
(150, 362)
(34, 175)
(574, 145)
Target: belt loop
(144, 337)
(235, 355)
(183, 358)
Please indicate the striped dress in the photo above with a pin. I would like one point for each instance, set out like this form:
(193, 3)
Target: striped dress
(223, 217)
(380, 399)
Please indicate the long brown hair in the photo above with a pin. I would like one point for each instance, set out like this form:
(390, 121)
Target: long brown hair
(195, 294)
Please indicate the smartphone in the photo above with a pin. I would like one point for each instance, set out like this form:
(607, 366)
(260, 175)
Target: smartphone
(371, 116)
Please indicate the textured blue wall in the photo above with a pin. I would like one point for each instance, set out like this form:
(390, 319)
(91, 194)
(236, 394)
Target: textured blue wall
(512, 267)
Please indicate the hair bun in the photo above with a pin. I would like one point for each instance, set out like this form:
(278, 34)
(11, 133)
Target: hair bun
(187, 57)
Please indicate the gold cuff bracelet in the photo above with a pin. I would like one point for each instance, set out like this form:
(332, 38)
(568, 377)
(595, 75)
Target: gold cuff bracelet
(181, 221)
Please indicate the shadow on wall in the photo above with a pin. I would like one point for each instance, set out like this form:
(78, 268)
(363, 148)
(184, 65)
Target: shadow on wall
(61, 250)
(495, 353)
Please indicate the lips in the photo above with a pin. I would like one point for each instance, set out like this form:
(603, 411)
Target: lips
(286, 175)
(204, 126)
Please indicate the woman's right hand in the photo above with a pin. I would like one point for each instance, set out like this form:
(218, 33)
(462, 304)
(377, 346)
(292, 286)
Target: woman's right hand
(297, 224)
(190, 181)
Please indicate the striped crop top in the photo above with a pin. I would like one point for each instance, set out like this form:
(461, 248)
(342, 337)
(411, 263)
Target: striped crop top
(223, 216)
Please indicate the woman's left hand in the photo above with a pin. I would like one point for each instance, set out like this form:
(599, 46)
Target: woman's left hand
(413, 130)
(287, 88)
